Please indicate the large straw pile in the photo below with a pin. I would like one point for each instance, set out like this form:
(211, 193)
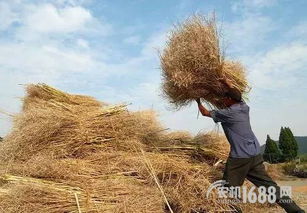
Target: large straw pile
(70, 153)
(192, 62)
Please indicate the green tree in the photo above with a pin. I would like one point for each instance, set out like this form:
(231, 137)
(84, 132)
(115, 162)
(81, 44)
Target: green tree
(294, 144)
(287, 145)
(271, 153)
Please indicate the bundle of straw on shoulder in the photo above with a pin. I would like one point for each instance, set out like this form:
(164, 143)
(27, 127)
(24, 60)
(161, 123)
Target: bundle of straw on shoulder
(192, 62)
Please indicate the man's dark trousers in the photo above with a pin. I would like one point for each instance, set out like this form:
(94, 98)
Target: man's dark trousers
(237, 169)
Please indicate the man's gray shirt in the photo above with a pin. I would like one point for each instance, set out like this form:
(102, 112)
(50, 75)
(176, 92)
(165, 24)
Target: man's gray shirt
(236, 124)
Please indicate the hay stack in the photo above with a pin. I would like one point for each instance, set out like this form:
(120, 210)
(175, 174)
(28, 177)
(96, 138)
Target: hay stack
(192, 62)
(70, 153)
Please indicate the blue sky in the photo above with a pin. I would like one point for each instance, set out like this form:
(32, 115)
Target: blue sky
(108, 49)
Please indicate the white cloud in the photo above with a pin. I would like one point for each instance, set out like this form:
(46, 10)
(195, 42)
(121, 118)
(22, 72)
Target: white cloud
(259, 3)
(299, 31)
(71, 2)
(49, 19)
(280, 68)
(82, 43)
(142, 96)
(154, 43)
(135, 39)
(146, 60)
(250, 29)
(28, 51)
(248, 32)
(268, 116)
(7, 16)
(278, 97)
(30, 58)
(249, 5)
(41, 21)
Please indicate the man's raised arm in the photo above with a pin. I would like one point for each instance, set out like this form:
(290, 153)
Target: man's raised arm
(202, 109)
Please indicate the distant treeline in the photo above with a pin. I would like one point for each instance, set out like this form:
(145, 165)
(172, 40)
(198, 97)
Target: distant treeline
(285, 149)
(302, 144)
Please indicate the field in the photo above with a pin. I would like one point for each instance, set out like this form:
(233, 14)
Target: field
(73, 153)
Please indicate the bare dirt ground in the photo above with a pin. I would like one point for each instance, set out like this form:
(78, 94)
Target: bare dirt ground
(299, 189)
(299, 193)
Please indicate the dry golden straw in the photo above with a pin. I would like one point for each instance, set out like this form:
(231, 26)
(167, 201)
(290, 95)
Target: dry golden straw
(71, 153)
(193, 61)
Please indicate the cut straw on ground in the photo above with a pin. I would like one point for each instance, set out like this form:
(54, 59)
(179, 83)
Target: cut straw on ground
(63, 145)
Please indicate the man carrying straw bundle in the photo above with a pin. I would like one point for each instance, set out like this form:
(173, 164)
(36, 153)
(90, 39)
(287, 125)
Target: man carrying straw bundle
(194, 66)
(245, 159)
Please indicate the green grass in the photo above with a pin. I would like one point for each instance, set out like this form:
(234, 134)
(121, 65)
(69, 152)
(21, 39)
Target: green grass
(303, 158)
(289, 167)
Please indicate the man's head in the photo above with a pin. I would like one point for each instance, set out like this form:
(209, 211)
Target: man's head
(232, 96)
(227, 101)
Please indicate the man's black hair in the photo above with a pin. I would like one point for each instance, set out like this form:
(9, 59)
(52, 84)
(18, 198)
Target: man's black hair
(234, 94)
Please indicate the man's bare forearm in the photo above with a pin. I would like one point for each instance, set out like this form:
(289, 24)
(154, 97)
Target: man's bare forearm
(202, 109)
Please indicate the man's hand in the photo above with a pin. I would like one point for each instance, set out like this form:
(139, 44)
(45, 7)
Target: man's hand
(198, 100)
(202, 109)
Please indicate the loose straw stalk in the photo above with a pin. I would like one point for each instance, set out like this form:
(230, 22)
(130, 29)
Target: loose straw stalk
(152, 172)
(77, 201)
